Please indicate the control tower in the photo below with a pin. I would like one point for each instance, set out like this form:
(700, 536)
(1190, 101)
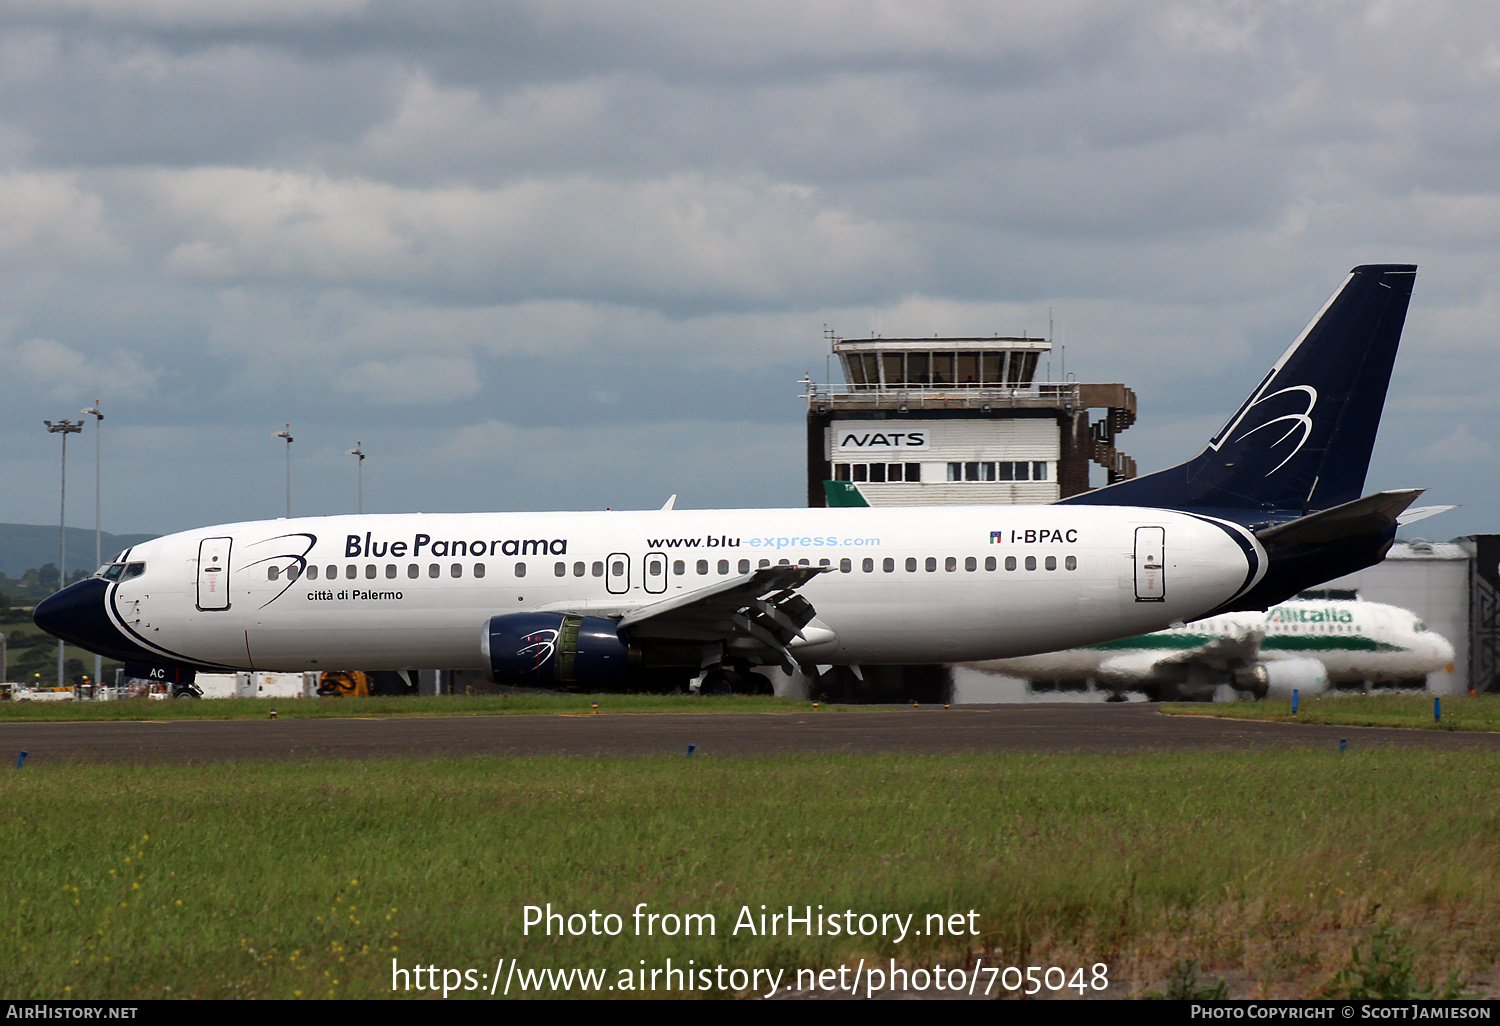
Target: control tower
(959, 421)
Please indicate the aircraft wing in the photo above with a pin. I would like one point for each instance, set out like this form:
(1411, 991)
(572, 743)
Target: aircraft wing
(756, 615)
(1221, 654)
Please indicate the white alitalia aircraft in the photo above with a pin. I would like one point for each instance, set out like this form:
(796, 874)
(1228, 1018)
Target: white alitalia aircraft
(601, 600)
(1302, 644)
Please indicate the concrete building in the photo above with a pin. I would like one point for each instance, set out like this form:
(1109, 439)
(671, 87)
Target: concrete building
(937, 421)
(1455, 588)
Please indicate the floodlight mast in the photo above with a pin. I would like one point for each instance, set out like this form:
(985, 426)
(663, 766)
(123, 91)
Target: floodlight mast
(358, 450)
(287, 434)
(64, 428)
(97, 414)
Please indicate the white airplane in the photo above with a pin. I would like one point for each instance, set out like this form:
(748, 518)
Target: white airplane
(1302, 644)
(606, 600)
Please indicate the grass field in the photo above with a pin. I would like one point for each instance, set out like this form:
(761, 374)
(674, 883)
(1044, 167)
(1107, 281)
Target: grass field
(1458, 712)
(414, 705)
(305, 880)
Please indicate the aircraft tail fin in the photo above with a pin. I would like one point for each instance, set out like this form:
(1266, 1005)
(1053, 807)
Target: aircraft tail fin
(1302, 439)
(843, 494)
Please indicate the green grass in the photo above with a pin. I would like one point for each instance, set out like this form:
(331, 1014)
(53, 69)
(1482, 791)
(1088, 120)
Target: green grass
(283, 880)
(412, 705)
(1459, 712)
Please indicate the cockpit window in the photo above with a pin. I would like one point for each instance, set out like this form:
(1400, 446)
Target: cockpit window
(133, 570)
(111, 571)
(1419, 627)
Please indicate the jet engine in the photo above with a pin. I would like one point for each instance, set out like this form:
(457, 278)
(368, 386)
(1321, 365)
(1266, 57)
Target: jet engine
(555, 650)
(1307, 676)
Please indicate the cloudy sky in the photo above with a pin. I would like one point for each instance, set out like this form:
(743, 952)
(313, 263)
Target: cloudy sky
(576, 254)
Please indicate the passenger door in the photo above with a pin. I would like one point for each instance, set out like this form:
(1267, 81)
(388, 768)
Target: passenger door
(213, 573)
(1150, 564)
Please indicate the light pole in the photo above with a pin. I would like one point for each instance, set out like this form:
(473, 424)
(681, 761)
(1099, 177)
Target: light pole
(64, 428)
(287, 434)
(93, 411)
(357, 451)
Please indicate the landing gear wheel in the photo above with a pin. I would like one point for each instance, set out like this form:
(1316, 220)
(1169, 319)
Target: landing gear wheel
(718, 681)
(756, 684)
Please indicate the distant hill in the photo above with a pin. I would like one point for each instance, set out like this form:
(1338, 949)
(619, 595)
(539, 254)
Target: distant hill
(28, 546)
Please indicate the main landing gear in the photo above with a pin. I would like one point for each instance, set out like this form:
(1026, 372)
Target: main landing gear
(734, 679)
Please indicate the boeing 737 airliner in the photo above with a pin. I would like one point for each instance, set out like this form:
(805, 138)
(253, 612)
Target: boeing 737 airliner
(629, 599)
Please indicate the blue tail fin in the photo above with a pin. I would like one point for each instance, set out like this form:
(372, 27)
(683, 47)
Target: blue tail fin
(1303, 438)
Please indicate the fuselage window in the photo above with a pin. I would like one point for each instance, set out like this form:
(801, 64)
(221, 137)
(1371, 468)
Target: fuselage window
(390, 571)
(351, 572)
(617, 570)
(723, 567)
(911, 564)
(888, 565)
(950, 564)
(679, 567)
(846, 566)
(478, 569)
(457, 570)
(598, 568)
(413, 571)
(702, 567)
(971, 564)
(783, 562)
(272, 573)
(804, 562)
(1051, 562)
(579, 569)
(433, 570)
(370, 571)
(931, 564)
(1031, 562)
(744, 566)
(1010, 562)
(312, 573)
(1071, 563)
(989, 562)
(868, 565)
(763, 564)
(825, 562)
(331, 572)
(560, 569)
(292, 573)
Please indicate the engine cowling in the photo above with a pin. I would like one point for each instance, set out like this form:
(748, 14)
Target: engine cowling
(1308, 676)
(554, 650)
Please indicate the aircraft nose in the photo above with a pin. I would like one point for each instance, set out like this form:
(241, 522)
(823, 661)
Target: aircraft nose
(77, 615)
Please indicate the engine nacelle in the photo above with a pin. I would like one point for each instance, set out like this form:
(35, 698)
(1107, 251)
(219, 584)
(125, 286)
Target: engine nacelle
(1307, 676)
(554, 650)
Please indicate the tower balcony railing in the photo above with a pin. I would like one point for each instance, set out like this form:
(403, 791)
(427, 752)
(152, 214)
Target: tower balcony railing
(1040, 394)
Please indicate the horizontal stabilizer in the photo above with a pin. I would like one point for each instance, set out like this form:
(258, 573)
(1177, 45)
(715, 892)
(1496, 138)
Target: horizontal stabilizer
(1411, 516)
(1368, 516)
